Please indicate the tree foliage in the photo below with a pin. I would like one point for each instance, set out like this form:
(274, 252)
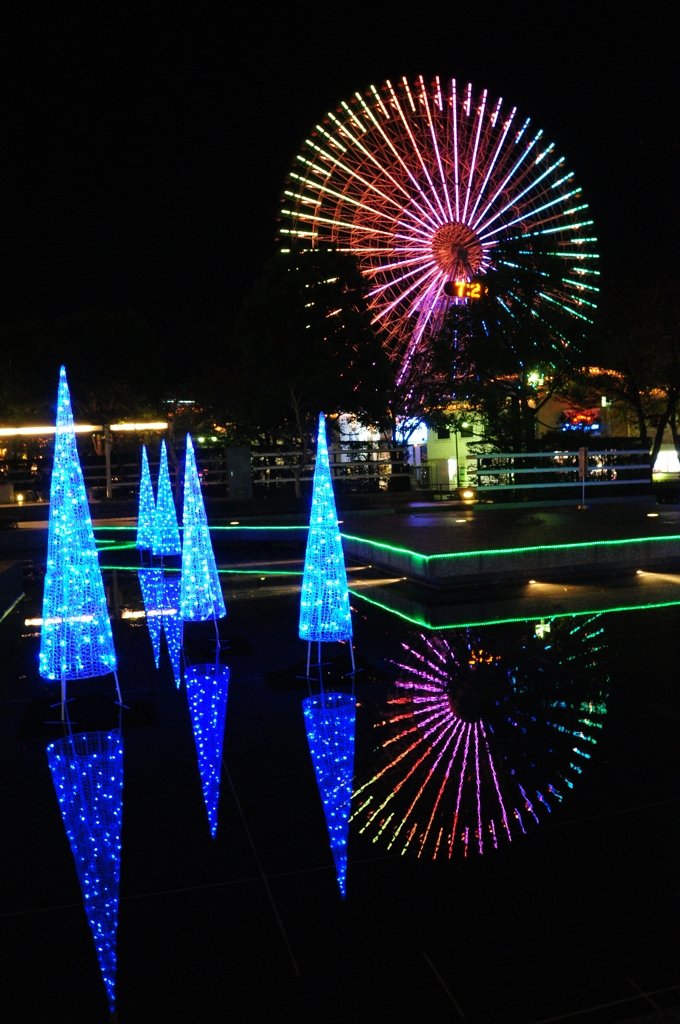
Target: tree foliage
(502, 355)
(635, 355)
(304, 343)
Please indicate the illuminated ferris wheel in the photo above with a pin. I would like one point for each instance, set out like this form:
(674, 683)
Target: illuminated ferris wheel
(433, 189)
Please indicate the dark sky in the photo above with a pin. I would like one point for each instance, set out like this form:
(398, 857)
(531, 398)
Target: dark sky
(144, 155)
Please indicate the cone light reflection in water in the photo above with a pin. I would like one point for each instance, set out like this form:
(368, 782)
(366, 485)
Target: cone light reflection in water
(330, 721)
(151, 584)
(87, 772)
(207, 692)
(172, 623)
(147, 507)
(324, 600)
(165, 529)
(75, 637)
(201, 593)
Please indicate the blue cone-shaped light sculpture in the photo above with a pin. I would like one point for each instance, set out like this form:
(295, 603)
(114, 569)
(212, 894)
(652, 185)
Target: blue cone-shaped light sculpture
(201, 596)
(147, 507)
(324, 600)
(87, 771)
(207, 691)
(165, 540)
(330, 720)
(75, 638)
(151, 584)
(172, 623)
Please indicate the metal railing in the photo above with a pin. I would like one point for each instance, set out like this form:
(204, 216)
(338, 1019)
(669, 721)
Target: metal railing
(364, 466)
(514, 470)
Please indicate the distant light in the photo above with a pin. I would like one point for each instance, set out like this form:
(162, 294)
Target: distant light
(235, 522)
(201, 440)
(468, 494)
(82, 428)
(263, 577)
(133, 615)
(532, 581)
(213, 438)
(154, 425)
(640, 572)
(19, 497)
(465, 424)
(57, 620)
(667, 462)
(461, 520)
(652, 515)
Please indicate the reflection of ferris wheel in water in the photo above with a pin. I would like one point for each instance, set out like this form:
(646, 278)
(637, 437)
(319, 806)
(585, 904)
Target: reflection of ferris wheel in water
(475, 747)
(432, 189)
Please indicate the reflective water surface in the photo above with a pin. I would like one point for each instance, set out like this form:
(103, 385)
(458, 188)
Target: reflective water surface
(548, 746)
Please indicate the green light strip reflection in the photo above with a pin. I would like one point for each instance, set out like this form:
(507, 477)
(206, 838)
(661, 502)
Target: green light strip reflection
(523, 618)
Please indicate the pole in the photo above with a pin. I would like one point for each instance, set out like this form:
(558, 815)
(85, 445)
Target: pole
(116, 594)
(583, 472)
(107, 456)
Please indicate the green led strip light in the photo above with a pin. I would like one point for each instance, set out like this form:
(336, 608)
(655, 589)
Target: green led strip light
(106, 545)
(11, 608)
(214, 528)
(512, 551)
(232, 572)
(259, 527)
(500, 622)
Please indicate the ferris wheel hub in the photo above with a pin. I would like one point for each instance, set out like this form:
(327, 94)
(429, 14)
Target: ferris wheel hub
(457, 251)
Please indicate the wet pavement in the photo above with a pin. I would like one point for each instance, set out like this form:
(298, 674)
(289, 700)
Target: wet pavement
(574, 918)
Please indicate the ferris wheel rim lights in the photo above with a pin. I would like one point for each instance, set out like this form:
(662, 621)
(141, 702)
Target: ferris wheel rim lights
(387, 174)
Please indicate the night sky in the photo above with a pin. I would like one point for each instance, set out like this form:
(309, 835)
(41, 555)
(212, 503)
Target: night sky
(144, 155)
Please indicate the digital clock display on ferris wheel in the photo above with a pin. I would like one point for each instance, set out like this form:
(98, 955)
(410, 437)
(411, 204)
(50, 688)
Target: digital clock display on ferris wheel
(465, 289)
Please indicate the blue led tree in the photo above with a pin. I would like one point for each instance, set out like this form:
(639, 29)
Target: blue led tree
(330, 724)
(151, 584)
(87, 772)
(201, 595)
(75, 638)
(172, 623)
(165, 530)
(147, 507)
(324, 600)
(207, 691)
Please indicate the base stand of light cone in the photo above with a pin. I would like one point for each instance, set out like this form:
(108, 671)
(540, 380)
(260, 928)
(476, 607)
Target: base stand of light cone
(320, 663)
(63, 702)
